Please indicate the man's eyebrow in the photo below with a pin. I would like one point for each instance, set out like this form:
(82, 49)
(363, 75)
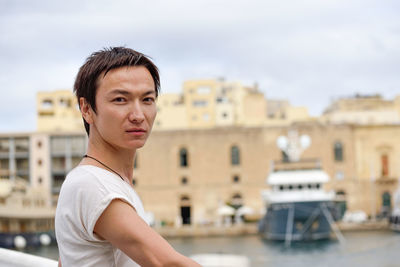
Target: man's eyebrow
(124, 92)
(119, 91)
(149, 92)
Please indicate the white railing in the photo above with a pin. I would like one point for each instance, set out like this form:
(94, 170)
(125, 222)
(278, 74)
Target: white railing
(221, 260)
(11, 258)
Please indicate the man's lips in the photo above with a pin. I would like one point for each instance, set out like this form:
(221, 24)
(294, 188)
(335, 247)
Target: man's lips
(136, 131)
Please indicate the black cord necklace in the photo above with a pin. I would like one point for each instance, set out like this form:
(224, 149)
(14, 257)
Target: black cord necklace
(87, 156)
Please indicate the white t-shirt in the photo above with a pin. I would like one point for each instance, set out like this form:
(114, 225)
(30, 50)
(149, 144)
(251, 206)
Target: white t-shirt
(85, 194)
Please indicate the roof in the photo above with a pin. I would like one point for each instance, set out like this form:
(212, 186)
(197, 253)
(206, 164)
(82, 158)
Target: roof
(297, 177)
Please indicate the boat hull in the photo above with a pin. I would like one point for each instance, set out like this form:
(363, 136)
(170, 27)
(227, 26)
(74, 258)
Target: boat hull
(298, 221)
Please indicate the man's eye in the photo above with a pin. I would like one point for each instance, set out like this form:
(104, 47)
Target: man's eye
(119, 99)
(148, 99)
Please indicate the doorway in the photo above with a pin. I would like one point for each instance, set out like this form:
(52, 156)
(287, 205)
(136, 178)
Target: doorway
(185, 210)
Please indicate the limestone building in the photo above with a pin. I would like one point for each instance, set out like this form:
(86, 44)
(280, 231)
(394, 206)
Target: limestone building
(58, 111)
(193, 172)
(363, 109)
(203, 104)
(190, 168)
(206, 104)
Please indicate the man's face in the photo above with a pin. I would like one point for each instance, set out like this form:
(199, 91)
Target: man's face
(126, 108)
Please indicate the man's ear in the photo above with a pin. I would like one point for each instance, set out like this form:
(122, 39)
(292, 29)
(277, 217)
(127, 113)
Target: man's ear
(86, 110)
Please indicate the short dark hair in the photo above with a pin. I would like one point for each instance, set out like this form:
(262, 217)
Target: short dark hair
(103, 61)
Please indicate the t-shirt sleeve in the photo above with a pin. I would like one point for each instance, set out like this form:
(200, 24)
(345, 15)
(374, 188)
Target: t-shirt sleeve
(94, 197)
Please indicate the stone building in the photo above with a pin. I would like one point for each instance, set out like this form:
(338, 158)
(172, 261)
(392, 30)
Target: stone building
(188, 170)
(201, 169)
(363, 109)
(188, 174)
(58, 111)
(203, 104)
(212, 103)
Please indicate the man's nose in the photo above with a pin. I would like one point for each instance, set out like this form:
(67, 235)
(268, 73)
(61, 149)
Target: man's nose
(136, 113)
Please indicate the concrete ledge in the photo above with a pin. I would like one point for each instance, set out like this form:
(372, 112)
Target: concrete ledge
(198, 231)
(365, 226)
(252, 229)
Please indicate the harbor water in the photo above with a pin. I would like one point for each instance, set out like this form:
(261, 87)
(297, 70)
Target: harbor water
(378, 248)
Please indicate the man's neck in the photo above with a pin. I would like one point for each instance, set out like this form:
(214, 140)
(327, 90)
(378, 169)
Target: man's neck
(121, 161)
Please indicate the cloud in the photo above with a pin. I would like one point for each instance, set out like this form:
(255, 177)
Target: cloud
(306, 51)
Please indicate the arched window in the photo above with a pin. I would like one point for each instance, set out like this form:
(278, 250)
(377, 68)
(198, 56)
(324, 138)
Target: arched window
(235, 155)
(183, 157)
(338, 151)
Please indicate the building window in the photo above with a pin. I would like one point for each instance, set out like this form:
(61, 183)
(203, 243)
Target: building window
(78, 145)
(4, 164)
(385, 165)
(4, 145)
(183, 157)
(65, 153)
(184, 181)
(203, 90)
(66, 103)
(47, 103)
(235, 155)
(200, 103)
(338, 151)
(236, 179)
(386, 199)
(21, 145)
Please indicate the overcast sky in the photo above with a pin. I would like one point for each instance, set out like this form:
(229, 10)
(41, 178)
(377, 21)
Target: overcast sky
(306, 51)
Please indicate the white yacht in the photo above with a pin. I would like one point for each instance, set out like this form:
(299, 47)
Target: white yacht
(297, 206)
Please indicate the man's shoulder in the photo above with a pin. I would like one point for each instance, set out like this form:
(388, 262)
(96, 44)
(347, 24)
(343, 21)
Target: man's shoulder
(89, 176)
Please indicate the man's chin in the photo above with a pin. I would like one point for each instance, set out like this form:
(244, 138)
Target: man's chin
(137, 144)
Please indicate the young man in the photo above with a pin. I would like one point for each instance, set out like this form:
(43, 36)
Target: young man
(100, 220)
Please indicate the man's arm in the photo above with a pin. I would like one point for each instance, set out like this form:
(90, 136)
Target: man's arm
(121, 225)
